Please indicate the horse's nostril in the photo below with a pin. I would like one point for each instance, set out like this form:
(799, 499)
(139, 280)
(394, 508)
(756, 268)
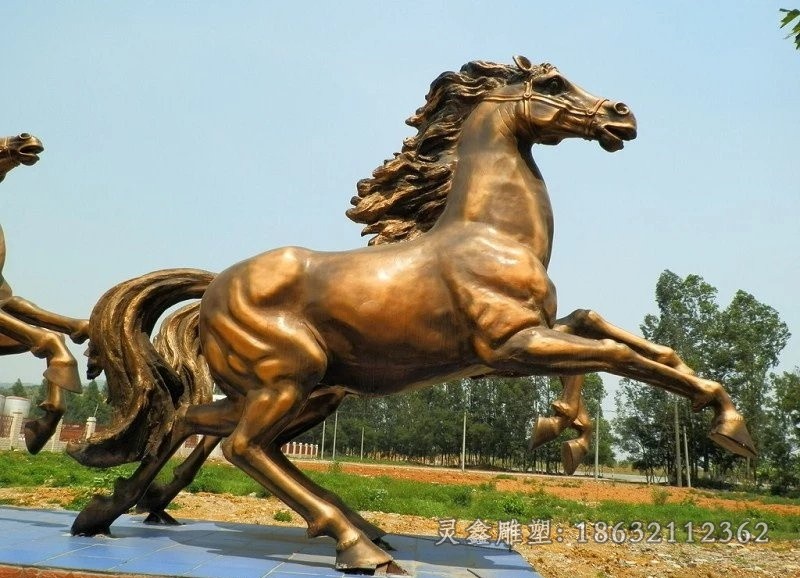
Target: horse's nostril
(622, 109)
(25, 136)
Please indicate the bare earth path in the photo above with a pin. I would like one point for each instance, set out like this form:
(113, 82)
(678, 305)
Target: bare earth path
(565, 559)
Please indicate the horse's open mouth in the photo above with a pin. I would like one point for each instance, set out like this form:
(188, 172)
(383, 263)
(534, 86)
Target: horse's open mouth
(612, 136)
(29, 154)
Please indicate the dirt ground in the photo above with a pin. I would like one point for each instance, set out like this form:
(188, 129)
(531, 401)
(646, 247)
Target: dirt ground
(564, 558)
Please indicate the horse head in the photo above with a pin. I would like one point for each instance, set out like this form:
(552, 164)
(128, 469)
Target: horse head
(551, 108)
(16, 150)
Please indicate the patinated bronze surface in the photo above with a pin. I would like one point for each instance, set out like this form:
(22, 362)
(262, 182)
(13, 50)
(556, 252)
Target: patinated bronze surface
(21, 321)
(455, 284)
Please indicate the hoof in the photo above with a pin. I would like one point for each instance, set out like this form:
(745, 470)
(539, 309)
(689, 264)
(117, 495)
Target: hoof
(81, 332)
(161, 518)
(731, 433)
(361, 555)
(64, 376)
(371, 531)
(572, 454)
(90, 522)
(38, 432)
(563, 409)
(546, 429)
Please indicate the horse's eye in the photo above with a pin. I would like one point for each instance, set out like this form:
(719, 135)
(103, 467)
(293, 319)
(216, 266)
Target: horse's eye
(555, 86)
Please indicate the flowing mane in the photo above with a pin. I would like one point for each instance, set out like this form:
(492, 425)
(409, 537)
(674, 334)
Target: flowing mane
(406, 195)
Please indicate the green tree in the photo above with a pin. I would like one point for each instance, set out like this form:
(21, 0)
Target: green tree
(790, 16)
(737, 346)
(18, 389)
(781, 440)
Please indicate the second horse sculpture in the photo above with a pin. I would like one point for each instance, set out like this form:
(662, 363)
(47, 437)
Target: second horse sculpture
(21, 321)
(290, 333)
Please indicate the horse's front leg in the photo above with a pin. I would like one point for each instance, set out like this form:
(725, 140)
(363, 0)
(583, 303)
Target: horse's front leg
(62, 372)
(77, 329)
(544, 351)
(570, 411)
(588, 323)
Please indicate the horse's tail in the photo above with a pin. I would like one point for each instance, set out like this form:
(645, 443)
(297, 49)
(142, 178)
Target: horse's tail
(178, 342)
(146, 383)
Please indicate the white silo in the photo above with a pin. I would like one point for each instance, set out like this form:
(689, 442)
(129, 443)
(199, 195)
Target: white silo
(16, 404)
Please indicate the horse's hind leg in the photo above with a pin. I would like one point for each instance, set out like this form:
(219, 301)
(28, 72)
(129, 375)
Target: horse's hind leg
(157, 497)
(252, 447)
(100, 513)
(62, 372)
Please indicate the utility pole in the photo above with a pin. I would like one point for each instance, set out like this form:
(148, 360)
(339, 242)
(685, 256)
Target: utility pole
(597, 443)
(686, 455)
(678, 463)
(322, 445)
(464, 441)
(335, 426)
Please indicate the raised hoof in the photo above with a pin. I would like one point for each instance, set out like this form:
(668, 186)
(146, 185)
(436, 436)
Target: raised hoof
(38, 432)
(161, 518)
(361, 555)
(81, 332)
(546, 429)
(64, 376)
(731, 433)
(572, 454)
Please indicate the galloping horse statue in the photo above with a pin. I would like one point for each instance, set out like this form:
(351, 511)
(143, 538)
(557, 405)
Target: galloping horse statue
(454, 284)
(21, 321)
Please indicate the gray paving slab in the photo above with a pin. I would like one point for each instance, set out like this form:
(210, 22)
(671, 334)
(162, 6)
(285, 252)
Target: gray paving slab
(203, 549)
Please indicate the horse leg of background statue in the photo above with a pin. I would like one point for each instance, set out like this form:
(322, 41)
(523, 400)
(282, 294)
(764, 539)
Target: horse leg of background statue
(560, 352)
(24, 310)
(62, 372)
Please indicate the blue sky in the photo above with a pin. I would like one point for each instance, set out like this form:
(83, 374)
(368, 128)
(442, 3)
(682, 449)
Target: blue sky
(188, 134)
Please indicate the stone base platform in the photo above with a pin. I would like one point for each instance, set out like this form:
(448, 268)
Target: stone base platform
(37, 543)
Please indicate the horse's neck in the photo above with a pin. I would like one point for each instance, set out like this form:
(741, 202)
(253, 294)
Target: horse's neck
(496, 182)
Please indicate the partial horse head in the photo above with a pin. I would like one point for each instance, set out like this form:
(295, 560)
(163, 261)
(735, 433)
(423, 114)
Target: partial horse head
(23, 149)
(553, 108)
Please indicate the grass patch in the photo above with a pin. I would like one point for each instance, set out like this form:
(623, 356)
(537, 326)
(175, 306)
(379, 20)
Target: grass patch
(386, 494)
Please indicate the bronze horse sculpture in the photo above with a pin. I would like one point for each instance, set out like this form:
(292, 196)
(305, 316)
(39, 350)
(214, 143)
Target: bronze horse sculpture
(454, 284)
(26, 327)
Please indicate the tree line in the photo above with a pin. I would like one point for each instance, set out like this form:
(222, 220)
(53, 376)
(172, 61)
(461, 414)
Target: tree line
(427, 425)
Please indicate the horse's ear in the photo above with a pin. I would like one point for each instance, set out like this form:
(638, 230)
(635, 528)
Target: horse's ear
(523, 63)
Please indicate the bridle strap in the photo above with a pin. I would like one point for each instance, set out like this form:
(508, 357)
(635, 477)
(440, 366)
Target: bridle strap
(529, 95)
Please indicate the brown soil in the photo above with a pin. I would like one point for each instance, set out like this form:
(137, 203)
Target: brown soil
(565, 559)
